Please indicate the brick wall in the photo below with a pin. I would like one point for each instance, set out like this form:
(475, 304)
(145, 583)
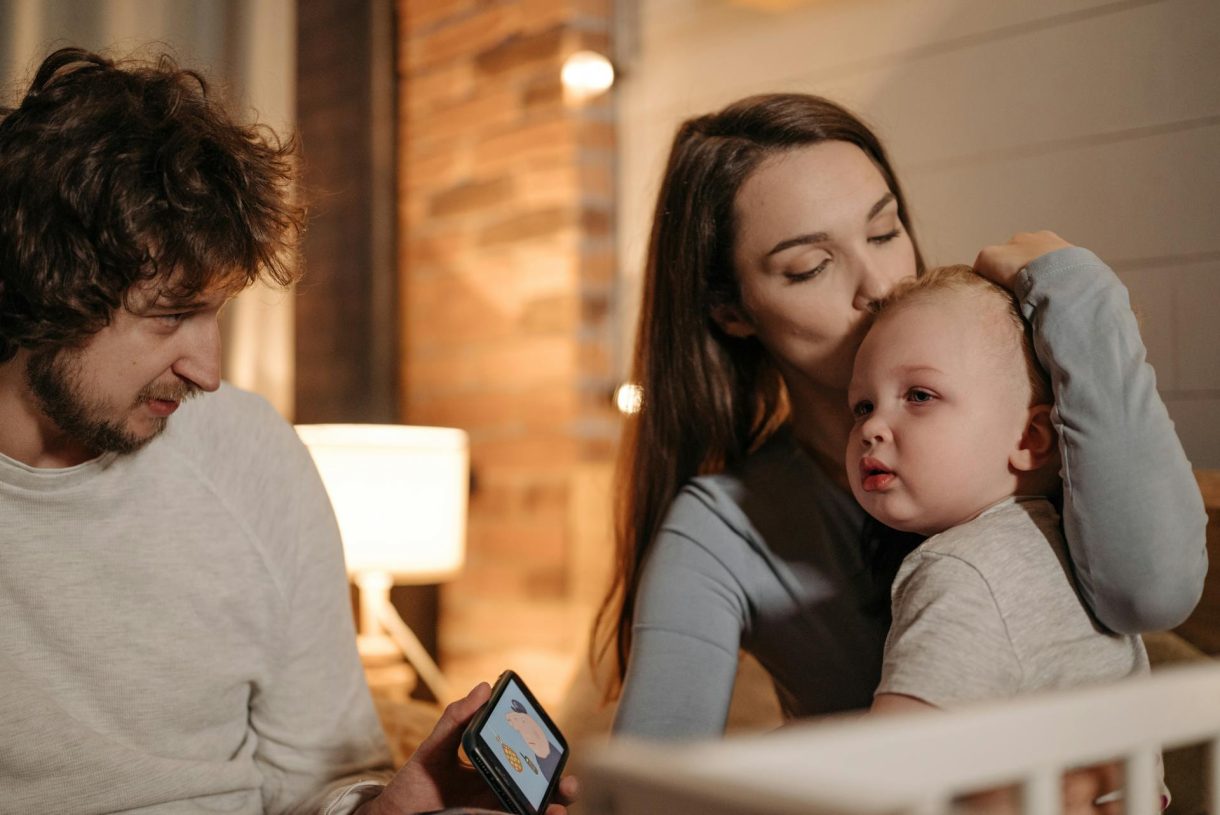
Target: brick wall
(506, 272)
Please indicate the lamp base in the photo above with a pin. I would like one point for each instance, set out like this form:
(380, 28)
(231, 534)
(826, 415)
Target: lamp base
(382, 628)
(377, 650)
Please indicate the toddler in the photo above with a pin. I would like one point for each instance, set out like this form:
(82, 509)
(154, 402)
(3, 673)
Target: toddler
(953, 439)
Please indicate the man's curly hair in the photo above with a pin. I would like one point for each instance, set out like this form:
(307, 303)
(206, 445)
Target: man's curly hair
(115, 173)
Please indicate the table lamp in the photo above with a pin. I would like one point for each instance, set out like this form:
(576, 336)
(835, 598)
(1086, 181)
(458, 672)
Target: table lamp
(399, 493)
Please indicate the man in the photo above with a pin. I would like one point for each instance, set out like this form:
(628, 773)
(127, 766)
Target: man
(175, 630)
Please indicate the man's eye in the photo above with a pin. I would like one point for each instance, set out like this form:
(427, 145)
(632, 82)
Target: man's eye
(886, 238)
(919, 396)
(862, 409)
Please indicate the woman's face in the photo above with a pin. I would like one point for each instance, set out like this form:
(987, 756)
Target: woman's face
(818, 240)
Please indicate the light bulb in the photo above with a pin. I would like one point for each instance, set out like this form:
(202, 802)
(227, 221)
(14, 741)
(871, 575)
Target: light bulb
(586, 74)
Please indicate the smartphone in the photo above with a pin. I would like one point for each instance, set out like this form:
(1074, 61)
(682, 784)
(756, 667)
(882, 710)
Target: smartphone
(516, 747)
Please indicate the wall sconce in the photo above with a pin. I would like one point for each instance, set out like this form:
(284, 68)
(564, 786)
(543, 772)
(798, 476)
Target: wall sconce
(585, 75)
(400, 496)
(628, 398)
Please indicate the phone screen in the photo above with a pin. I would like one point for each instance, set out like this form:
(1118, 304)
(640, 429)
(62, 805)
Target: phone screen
(521, 739)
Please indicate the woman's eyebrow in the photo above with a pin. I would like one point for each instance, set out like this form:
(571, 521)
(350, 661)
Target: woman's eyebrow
(818, 237)
(880, 205)
(799, 240)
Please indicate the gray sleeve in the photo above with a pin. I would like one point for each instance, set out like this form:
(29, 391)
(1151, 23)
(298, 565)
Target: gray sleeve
(316, 726)
(1133, 516)
(948, 643)
(689, 616)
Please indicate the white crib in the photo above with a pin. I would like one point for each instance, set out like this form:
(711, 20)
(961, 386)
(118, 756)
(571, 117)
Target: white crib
(919, 764)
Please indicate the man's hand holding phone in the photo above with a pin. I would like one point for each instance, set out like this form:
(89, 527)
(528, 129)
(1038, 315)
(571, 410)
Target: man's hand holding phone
(434, 778)
(516, 747)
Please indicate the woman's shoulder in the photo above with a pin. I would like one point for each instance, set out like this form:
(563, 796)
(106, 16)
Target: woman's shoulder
(776, 493)
(776, 465)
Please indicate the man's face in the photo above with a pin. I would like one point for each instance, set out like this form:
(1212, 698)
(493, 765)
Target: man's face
(116, 391)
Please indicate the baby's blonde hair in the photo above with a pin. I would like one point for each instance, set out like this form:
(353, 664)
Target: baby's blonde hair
(962, 278)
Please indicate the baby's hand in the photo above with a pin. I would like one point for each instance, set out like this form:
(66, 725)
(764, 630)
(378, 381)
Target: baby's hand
(1000, 264)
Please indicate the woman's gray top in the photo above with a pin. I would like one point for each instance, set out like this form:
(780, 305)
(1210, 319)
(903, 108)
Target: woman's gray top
(776, 559)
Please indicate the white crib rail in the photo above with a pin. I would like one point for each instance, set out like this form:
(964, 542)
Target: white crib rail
(919, 764)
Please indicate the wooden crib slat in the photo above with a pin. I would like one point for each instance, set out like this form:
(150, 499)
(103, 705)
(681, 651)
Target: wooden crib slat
(1141, 782)
(1041, 793)
(1213, 775)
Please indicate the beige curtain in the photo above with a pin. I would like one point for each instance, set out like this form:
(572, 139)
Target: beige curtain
(246, 46)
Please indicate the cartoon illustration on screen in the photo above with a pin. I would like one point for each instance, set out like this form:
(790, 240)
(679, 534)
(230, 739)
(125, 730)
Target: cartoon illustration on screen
(511, 756)
(531, 732)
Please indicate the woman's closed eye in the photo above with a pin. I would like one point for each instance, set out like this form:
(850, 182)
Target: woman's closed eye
(878, 240)
(808, 274)
(799, 277)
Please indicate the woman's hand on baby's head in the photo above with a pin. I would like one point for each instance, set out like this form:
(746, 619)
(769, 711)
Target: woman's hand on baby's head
(1001, 263)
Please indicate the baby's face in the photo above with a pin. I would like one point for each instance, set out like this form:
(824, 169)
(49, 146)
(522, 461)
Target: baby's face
(939, 405)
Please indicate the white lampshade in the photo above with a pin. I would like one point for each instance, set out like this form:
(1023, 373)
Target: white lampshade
(399, 493)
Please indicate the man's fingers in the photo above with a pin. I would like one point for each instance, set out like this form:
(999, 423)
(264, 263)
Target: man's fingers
(458, 713)
(569, 789)
(464, 708)
(448, 730)
(565, 794)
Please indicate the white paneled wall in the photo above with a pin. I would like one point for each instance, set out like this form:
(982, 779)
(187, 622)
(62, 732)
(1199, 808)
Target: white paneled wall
(1100, 120)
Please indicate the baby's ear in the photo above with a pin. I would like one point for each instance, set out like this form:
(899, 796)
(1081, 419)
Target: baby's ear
(1038, 441)
(733, 320)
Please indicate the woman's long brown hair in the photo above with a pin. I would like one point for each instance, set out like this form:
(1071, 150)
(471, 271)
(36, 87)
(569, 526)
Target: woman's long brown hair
(708, 398)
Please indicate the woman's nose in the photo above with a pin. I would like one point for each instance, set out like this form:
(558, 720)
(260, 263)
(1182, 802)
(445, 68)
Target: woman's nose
(870, 292)
(875, 281)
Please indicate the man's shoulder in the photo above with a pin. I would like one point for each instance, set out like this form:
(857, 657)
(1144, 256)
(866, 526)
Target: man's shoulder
(227, 402)
(230, 411)
(228, 426)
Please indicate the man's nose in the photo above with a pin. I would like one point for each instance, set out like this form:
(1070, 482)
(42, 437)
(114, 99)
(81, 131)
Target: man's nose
(199, 362)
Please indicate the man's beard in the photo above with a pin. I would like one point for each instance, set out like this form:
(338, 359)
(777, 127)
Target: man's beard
(54, 378)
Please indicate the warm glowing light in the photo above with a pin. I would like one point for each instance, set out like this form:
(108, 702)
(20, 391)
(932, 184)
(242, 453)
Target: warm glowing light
(629, 398)
(586, 74)
(399, 494)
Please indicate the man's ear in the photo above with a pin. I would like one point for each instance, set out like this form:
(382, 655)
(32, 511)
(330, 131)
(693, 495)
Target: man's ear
(733, 320)
(1038, 443)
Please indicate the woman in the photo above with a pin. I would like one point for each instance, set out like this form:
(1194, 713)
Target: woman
(779, 223)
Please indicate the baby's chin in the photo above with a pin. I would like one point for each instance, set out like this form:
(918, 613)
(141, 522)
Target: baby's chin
(916, 526)
(925, 524)
(895, 510)
(930, 524)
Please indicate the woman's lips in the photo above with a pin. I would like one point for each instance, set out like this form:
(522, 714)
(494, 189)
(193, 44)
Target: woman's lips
(874, 475)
